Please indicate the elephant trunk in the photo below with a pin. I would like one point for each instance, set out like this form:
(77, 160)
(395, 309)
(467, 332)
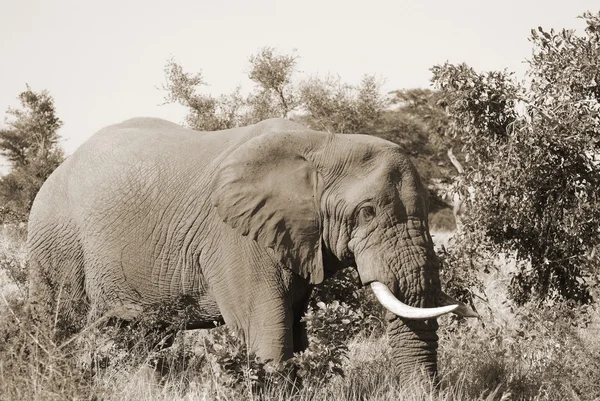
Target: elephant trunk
(412, 332)
(413, 337)
(406, 282)
(414, 349)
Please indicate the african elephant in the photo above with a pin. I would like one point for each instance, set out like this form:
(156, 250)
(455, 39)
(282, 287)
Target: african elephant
(243, 222)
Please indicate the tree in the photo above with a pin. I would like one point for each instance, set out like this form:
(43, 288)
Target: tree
(421, 127)
(205, 112)
(532, 162)
(30, 142)
(272, 95)
(323, 104)
(273, 73)
(334, 106)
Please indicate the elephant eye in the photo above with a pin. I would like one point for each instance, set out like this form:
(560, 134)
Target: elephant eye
(366, 214)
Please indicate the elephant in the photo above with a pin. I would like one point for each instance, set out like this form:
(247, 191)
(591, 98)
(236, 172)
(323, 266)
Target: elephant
(242, 222)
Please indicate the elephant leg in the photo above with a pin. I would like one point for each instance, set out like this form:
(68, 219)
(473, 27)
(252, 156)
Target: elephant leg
(56, 284)
(256, 296)
(286, 319)
(108, 289)
(270, 331)
(263, 321)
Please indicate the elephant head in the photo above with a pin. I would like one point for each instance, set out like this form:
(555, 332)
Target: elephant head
(324, 201)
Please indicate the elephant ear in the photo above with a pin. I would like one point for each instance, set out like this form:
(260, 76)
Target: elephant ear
(267, 190)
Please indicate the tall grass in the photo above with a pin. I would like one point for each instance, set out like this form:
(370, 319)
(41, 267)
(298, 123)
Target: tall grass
(525, 353)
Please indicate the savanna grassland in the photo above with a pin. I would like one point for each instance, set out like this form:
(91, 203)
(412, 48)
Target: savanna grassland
(522, 155)
(512, 353)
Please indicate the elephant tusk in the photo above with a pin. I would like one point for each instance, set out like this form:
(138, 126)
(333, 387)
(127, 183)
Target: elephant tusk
(462, 310)
(394, 305)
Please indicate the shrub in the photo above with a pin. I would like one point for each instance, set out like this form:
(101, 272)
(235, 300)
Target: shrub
(344, 287)
(329, 328)
(531, 173)
(236, 366)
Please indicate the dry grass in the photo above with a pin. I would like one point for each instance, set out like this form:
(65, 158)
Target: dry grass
(512, 354)
(528, 352)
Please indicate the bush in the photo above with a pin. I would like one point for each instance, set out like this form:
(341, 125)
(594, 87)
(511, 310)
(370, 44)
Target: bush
(531, 174)
(329, 329)
(344, 287)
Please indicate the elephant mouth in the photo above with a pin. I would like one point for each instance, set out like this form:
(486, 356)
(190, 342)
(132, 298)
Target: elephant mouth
(387, 299)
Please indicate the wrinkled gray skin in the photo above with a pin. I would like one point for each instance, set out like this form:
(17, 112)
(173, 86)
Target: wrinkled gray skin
(242, 221)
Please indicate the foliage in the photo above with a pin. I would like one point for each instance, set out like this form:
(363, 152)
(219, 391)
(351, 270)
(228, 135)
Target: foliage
(13, 257)
(204, 111)
(334, 106)
(20, 186)
(273, 75)
(272, 95)
(33, 130)
(532, 172)
(236, 365)
(30, 142)
(344, 287)
(459, 275)
(422, 105)
(323, 104)
(329, 328)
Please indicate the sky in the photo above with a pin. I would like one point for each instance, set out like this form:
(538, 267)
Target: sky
(103, 61)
